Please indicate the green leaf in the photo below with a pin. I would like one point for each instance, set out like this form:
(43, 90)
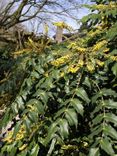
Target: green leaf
(110, 104)
(20, 102)
(51, 147)
(27, 124)
(107, 146)
(97, 119)
(84, 19)
(35, 74)
(109, 130)
(96, 110)
(80, 92)
(87, 82)
(95, 97)
(67, 89)
(33, 116)
(60, 112)
(56, 74)
(95, 131)
(104, 92)
(111, 118)
(71, 117)
(14, 107)
(6, 119)
(107, 92)
(39, 69)
(77, 105)
(63, 124)
(35, 150)
(51, 133)
(16, 128)
(38, 105)
(94, 152)
(112, 33)
(29, 82)
(42, 94)
(114, 69)
(48, 83)
(23, 153)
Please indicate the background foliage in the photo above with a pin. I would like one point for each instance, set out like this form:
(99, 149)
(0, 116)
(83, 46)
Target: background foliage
(67, 103)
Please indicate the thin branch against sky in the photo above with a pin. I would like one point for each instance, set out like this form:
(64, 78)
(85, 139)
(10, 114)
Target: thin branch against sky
(52, 11)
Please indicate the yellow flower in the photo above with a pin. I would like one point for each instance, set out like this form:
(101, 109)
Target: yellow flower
(113, 5)
(73, 68)
(67, 147)
(114, 58)
(46, 74)
(81, 50)
(19, 136)
(60, 24)
(90, 67)
(32, 108)
(81, 63)
(8, 138)
(62, 74)
(61, 60)
(71, 45)
(100, 63)
(106, 50)
(22, 147)
(92, 34)
(99, 45)
(101, 6)
(85, 144)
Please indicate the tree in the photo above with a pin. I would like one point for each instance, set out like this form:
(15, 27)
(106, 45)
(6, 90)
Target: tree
(20, 11)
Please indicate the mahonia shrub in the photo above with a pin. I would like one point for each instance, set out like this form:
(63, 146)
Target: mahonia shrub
(67, 104)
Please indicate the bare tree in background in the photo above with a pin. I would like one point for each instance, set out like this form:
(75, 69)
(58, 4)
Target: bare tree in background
(18, 11)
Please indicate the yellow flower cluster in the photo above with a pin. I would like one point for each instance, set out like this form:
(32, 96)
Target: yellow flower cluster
(61, 60)
(75, 46)
(105, 50)
(21, 133)
(99, 27)
(100, 63)
(81, 63)
(90, 67)
(114, 58)
(94, 33)
(75, 67)
(99, 45)
(32, 108)
(62, 74)
(22, 147)
(9, 138)
(61, 25)
(101, 7)
(112, 5)
(72, 45)
(81, 50)
(68, 147)
(46, 74)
